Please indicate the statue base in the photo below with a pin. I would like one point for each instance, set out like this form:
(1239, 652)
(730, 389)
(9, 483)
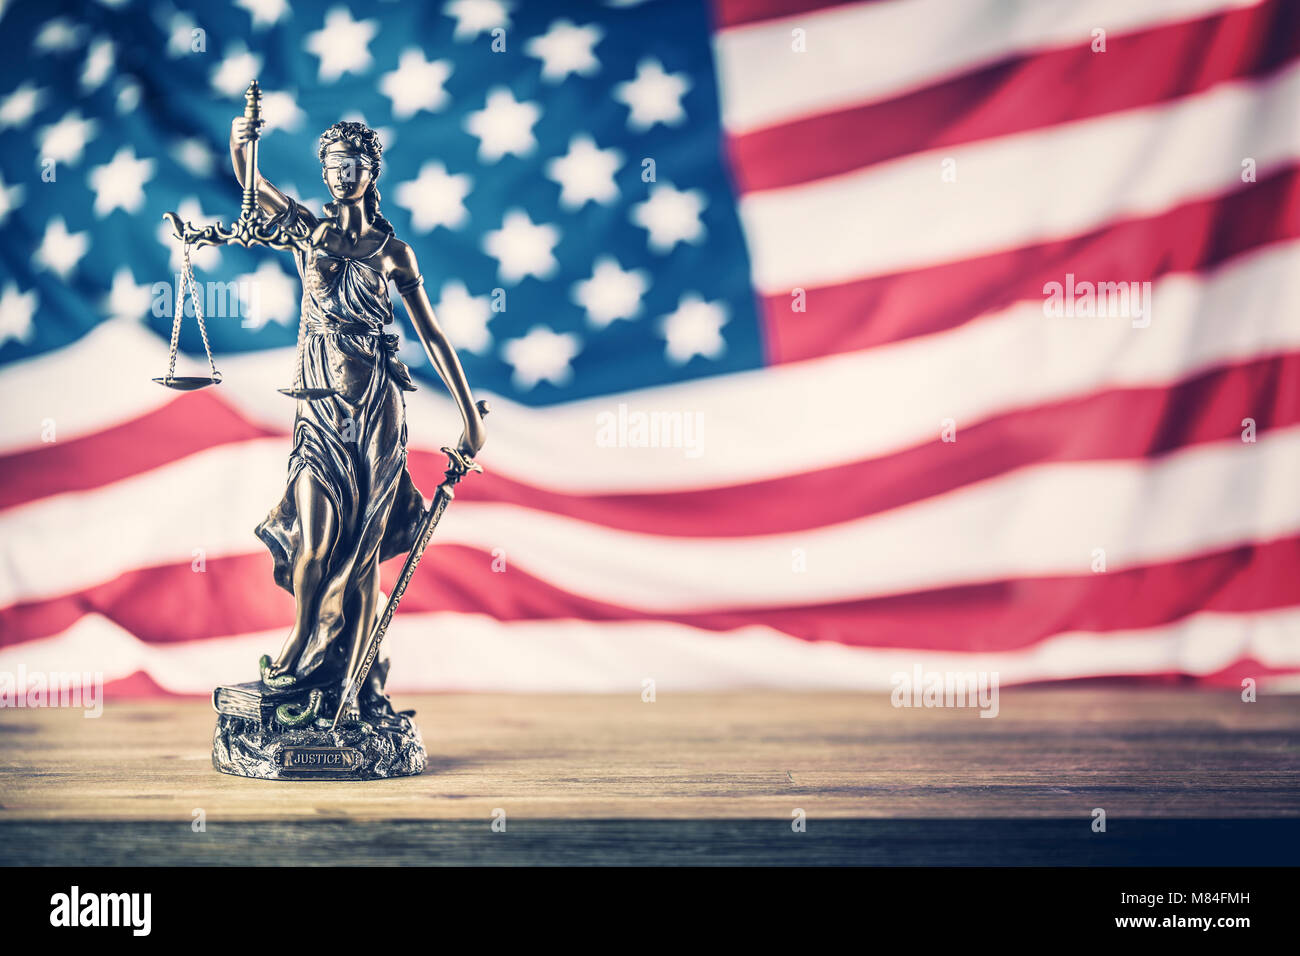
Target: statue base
(284, 734)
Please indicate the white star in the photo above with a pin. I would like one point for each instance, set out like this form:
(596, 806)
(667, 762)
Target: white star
(128, 96)
(202, 257)
(60, 250)
(343, 44)
(268, 295)
(195, 156)
(264, 12)
(671, 216)
(541, 354)
(694, 329)
(464, 317)
(522, 248)
(585, 173)
(180, 29)
(282, 111)
(503, 126)
(232, 75)
(120, 184)
(18, 108)
(65, 140)
(476, 16)
(11, 197)
(126, 300)
(435, 198)
(654, 96)
(59, 36)
(99, 63)
(16, 312)
(565, 49)
(611, 293)
(416, 84)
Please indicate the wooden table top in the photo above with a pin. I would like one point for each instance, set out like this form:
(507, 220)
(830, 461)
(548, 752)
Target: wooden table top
(1050, 753)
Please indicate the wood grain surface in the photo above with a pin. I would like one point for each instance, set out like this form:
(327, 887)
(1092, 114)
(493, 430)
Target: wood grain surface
(1050, 753)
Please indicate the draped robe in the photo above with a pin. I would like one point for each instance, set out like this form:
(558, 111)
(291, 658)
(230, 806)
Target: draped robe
(353, 444)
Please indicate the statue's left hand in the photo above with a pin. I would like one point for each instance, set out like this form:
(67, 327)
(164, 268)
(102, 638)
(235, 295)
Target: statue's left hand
(469, 448)
(475, 436)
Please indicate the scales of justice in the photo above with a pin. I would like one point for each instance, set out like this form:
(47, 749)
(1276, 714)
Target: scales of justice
(319, 711)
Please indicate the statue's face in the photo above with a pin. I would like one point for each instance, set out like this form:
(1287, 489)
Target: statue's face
(346, 172)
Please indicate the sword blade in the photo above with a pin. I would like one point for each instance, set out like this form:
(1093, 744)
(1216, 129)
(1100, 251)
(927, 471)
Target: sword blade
(459, 467)
(427, 525)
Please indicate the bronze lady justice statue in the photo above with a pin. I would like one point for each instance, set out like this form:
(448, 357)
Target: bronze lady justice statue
(349, 502)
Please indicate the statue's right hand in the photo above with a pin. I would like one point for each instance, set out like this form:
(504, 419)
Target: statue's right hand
(240, 131)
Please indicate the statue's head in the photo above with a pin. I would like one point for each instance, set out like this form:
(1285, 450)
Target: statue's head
(350, 158)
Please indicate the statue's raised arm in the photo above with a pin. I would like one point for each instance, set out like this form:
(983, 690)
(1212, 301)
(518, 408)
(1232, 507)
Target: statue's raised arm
(271, 201)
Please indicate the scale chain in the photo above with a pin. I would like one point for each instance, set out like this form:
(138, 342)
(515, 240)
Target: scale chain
(198, 310)
(188, 282)
(176, 321)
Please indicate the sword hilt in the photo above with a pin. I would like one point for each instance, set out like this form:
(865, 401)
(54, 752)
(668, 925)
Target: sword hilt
(460, 464)
(253, 113)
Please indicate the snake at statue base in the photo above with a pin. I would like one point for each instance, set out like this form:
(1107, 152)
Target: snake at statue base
(290, 716)
(284, 680)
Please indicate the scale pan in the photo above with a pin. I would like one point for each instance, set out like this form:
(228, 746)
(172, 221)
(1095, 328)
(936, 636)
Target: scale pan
(307, 394)
(188, 383)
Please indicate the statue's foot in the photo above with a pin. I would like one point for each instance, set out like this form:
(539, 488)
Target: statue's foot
(381, 708)
(351, 714)
(275, 674)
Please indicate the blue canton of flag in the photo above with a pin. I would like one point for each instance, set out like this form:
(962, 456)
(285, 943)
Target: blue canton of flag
(560, 178)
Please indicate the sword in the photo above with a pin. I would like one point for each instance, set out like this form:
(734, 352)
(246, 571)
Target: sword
(458, 467)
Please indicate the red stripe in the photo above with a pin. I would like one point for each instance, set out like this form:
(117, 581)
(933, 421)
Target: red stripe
(1029, 92)
(183, 426)
(237, 595)
(1123, 424)
(1129, 423)
(734, 13)
(1194, 237)
(138, 684)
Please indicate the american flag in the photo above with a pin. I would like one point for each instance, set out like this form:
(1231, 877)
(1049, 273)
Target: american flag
(823, 339)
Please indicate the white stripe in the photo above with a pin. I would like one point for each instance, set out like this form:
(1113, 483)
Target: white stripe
(105, 379)
(1019, 190)
(458, 652)
(1041, 520)
(860, 53)
(755, 425)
